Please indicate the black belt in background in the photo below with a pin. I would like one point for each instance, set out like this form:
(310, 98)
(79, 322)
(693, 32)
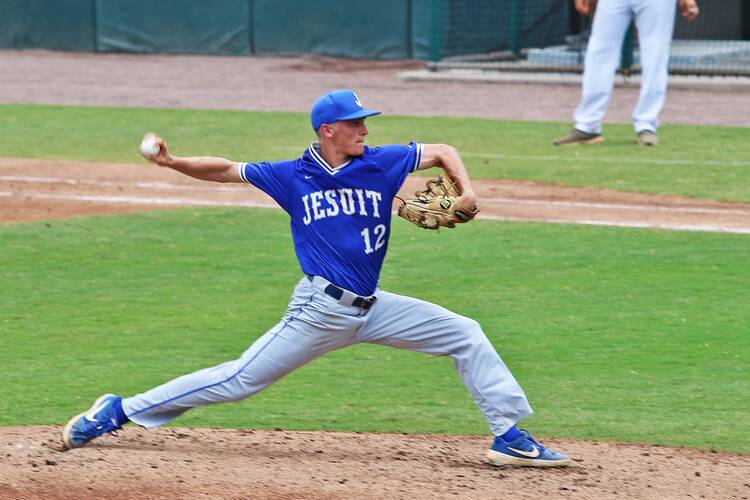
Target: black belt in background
(337, 292)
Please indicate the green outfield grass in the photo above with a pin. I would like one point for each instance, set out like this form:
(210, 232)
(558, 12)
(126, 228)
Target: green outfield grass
(621, 334)
(700, 161)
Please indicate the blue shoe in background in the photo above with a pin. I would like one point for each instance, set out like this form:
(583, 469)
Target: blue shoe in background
(524, 451)
(98, 420)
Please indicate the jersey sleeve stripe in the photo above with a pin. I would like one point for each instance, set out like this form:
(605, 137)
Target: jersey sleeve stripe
(418, 160)
(242, 172)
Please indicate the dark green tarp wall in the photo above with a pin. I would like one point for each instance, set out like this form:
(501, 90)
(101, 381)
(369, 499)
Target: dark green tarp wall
(388, 29)
(174, 26)
(47, 24)
(357, 28)
(384, 29)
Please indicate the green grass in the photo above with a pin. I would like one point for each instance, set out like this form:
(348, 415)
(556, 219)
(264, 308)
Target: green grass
(622, 334)
(698, 161)
(619, 334)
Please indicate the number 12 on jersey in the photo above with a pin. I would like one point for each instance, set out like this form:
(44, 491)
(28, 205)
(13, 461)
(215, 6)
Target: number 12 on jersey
(378, 233)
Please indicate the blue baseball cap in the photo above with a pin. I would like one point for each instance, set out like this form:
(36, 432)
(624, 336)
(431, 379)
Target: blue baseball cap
(338, 105)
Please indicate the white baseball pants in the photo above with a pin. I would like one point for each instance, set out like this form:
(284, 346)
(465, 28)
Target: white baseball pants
(316, 324)
(655, 22)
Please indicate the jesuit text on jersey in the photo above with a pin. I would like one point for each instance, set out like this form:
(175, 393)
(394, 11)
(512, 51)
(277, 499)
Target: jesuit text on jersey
(332, 202)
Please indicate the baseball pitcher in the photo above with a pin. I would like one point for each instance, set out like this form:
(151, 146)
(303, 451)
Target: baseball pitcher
(338, 195)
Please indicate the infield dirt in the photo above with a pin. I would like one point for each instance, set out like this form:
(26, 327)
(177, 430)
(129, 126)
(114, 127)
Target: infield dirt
(226, 463)
(212, 463)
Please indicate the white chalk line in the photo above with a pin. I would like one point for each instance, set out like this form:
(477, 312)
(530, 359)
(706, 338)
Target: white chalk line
(604, 159)
(711, 228)
(617, 206)
(139, 200)
(499, 200)
(137, 184)
(253, 204)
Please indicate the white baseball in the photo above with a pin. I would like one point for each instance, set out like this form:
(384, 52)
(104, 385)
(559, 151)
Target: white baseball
(149, 147)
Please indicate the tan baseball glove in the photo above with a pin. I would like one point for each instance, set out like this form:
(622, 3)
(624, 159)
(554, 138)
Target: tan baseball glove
(436, 206)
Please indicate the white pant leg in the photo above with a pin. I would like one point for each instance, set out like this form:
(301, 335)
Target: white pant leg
(655, 22)
(314, 325)
(408, 323)
(611, 20)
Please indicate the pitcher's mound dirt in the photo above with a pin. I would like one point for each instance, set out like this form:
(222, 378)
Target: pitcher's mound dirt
(225, 463)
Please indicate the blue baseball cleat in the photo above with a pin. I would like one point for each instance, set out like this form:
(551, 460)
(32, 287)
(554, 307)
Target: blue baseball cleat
(98, 420)
(524, 451)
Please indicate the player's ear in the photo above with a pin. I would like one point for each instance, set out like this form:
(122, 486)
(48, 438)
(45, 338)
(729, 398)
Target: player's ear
(326, 131)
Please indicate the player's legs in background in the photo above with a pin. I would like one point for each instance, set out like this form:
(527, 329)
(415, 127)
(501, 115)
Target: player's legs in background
(655, 22)
(313, 326)
(611, 20)
(414, 324)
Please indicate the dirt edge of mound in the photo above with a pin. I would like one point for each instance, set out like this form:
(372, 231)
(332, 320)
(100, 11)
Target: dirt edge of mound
(243, 463)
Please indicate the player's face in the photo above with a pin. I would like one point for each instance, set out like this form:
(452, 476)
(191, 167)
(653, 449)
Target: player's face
(349, 136)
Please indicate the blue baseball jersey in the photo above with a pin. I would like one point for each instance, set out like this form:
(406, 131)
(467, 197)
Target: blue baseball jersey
(340, 218)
